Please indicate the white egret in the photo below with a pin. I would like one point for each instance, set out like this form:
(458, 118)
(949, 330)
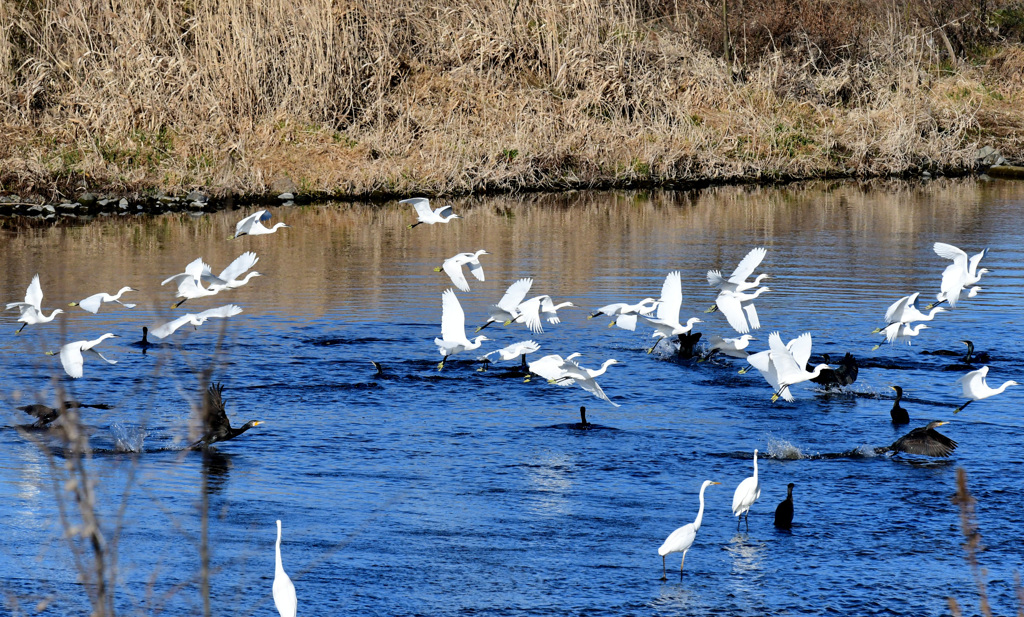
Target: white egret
(428, 216)
(507, 309)
(537, 308)
(666, 319)
(572, 373)
(196, 319)
(242, 264)
(252, 225)
(732, 347)
(453, 329)
(900, 333)
(93, 302)
(285, 600)
(550, 367)
(31, 308)
(975, 387)
(513, 351)
(625, 312)
(738, 280)
(190, 282)
(739, 310)
(745, 495)
(680, 540)
(71, 355)
(959, 275)
(905, 311)
(453, 268)
(790, 361)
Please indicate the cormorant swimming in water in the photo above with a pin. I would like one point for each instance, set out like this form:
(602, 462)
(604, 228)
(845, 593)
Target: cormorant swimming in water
(784, 513)
(216, 424)
(924, 440)
(899, 415)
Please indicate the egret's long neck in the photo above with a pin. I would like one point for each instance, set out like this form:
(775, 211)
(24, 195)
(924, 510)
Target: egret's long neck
(1003, 387)
(755, 467)
(932, 313)
(700, 512)
(279, 569)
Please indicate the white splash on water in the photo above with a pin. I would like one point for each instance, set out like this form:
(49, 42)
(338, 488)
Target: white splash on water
(782, 449)
(127, 438)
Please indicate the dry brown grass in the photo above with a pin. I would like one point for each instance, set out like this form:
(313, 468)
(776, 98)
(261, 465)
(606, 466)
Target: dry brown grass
(392, 97)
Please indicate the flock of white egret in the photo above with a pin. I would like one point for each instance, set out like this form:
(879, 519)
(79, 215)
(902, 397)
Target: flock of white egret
(782, 364)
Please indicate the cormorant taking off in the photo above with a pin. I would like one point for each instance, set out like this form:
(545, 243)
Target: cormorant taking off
(844, 374)
(899, 415)
(784, 513)
(924, 440)
(687, 344)
(46, 414)
(216, 425)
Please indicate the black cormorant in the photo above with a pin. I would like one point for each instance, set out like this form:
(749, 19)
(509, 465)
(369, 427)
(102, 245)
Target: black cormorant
(45, 414)
(899, 415)
(216, 425)
(784, 513)
(844, 374)
(924, 440)
(687, 342)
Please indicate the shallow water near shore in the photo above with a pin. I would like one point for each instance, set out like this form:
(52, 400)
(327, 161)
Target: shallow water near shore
(455, 492)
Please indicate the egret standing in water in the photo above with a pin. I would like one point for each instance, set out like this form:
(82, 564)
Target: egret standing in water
(252, 225)
(71, 355)
(93, 302)
(745, 495)
(31, 308)
(453, 329)
(680, 540)
(285, 600)
(428, 216)
(976, 387)
(784, 511)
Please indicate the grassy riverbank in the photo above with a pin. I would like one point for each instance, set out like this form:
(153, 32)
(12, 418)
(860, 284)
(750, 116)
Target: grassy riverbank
(395, 97)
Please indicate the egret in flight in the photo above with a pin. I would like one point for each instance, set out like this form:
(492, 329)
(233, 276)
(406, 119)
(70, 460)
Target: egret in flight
(515, 350)
(453, 268)
(537, 308)
(959, 275)
(791, 361)
(252, 225)
(196, 319)
(428, 216)
(739, 310)
(572, 372)
(905, 311)
(738, 280)
(453, 329)
(666, 320)
(680, 540)
(745, 495)
(93, 302)
(976, 388)
(507, 309)
(624, 315)
(31, 311)
(732, 347)
(71, 355)
(900, 333)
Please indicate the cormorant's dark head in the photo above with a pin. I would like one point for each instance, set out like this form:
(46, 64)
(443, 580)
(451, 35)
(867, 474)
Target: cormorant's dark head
(251, 423)
(789, 489)
(899, 390)
(936, 424)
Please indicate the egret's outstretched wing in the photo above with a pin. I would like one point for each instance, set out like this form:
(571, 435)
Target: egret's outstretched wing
(948, 251)
(239, 266)
(529, 311)
(896, 310)
(952, 283)
(547, 306)
(453, 269)
(671, 297)
(453, 319)
(168, 328)
(102, 357)
(243, 226)
(800, 348)
(71, 359)
(228, 310)
(476, 268)
(34, 293)
(627, 322)
(973, 264)
(515, 294)
(92, 303)
(548, 367)
(752, 319)
(747, 265)
(421, 205)
(715, 278)
(782, 357)
(731, 307)
(444, 212)
(517, 349)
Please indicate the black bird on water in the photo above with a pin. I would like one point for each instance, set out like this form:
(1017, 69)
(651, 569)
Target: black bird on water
(145, 343)
(923, 440)
(583, 424)
(45, 414)
(784, 513)
(215, 423)
(687, 344)
(899, 415)
(844, 374)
